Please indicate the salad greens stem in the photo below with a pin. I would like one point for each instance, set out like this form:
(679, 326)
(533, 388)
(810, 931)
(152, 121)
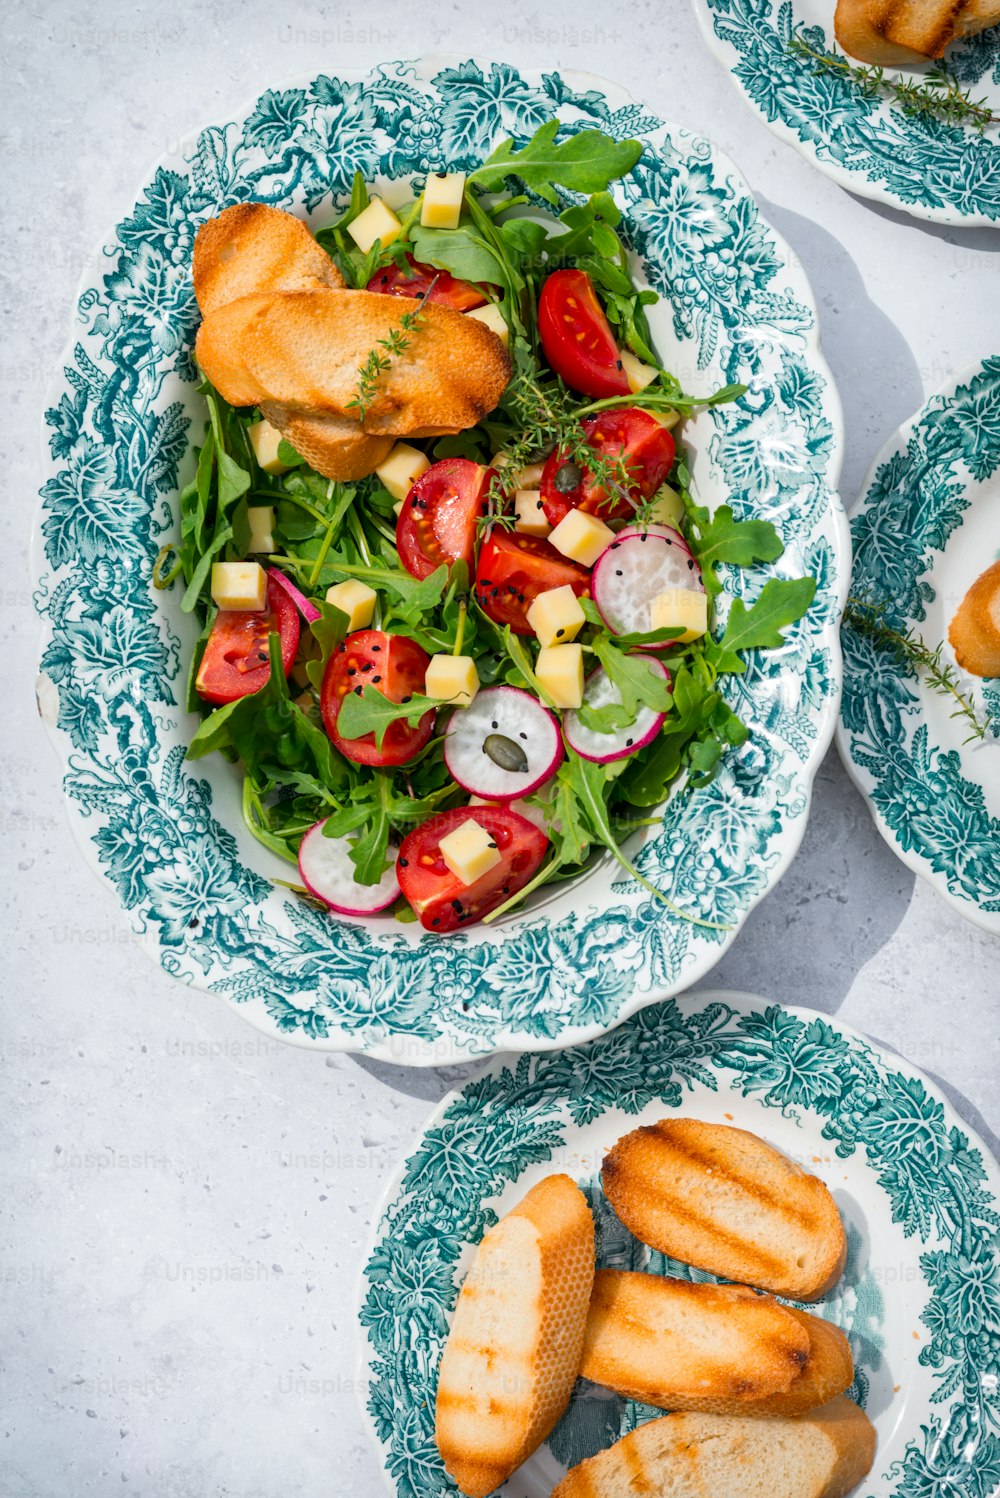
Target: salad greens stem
(463, 612)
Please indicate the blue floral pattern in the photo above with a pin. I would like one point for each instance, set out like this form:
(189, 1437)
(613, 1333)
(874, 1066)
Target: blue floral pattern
(927, 800)
(118, 428)
(921, 1172)
(935, 171)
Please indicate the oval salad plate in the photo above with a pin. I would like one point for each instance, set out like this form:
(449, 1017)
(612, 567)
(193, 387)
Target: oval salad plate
(169, 836)
(927, 524)
(918, 1194)
(914, 162)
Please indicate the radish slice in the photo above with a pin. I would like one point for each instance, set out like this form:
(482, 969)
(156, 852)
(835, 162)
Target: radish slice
(308, 610)
(505, 745)
(328, 873)
(632, 572)
(600, 691)
(668, 532)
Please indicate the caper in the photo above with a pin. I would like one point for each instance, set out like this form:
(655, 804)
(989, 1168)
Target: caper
(505, 753)
(568, 477)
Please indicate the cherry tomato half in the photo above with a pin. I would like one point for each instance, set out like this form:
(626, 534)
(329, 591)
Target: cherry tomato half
(236, 660)
(438, 520)
(438, 897)
(397, 667)
(576, 337)
(648, 449)
(392, 280)
(513, 570)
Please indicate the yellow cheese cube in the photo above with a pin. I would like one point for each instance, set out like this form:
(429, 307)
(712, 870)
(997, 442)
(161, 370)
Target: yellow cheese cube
(469, 852)
(530, 476)
(668, 507)
(442, 202)
(264, 439)
(666, 419)
(402, 468)
(560, 673)
(397, 508)
(374, 222)
(261, 518)
(638, 373)
(356, 600)
(239, 585)
(531, 519)
(494, 320)
(680, 608)
(556, 616)
(452, 678)
(581, 537)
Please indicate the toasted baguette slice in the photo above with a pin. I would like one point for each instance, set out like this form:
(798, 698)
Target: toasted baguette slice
(216, 348)
(975, 629)
(680, 1346)
(513, 1353)
(829, 1370)
(723, 1200)
(252, 247)
(336, 447)
(305, 349)
(891, 33)
(822, 1455)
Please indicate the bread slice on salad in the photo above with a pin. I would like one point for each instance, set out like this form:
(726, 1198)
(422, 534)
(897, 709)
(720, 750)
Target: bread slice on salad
(513, 1352)
(721, 1199)
(889, 33)
(820, 1455)
(332, 445)
(252, 247)
(975, 630)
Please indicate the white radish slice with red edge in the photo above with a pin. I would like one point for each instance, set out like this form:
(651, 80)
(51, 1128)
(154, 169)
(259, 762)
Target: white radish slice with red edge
(600, 691)
(504, 745)
(526, 809)
(630, 573)
(309, 611)
(668, 532)
(327, 872)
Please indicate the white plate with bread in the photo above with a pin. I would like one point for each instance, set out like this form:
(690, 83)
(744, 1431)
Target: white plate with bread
(729, 1250)
(884, 136)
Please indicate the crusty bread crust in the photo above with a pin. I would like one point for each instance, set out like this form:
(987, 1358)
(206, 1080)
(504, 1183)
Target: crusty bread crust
(828, 1371)
(975, 630)
(722, 1199)
(821, 1455)
(252, 247)
(513, 1353)
(897, 32)
(332, 445)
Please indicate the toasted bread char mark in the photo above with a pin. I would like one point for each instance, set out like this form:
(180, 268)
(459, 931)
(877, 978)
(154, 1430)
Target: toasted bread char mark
(937, 30)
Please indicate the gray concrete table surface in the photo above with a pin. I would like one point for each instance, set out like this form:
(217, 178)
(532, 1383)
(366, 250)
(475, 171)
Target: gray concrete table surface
(185, 1204)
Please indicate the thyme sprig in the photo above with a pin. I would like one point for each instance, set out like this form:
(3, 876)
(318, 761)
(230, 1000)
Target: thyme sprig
(868, 619)
(936, 93)
(376, 363)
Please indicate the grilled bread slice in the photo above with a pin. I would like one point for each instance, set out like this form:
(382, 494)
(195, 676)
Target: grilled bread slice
(975, 629)
(721, 1199)
(829, 1370)
(890, 33)
(681, 1346)
(821, 1455)
(336, 447)
(513, 1352)
(253, 247)
(217, 350)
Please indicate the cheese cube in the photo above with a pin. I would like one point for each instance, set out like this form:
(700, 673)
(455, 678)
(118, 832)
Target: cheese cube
(680, 608)
(374, 222)
(402, 468)
(494, 320)
(264, 439)
(452, 678)
(530, 476)
(581, 537)
(356, 600)
(469, 852)
(638, 373)
(397, 508)
(239, 585)
(556, 616)
(442, 202)
(560, 673)
(668, 508)
(531, 519)
(261, 518)
(666, 419)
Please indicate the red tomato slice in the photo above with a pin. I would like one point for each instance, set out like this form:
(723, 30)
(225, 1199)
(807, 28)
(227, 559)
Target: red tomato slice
(513, 570)
(236, 660)
(441, 900)
(576, 337)
(397, 667)
(649, 454)
(438, 520)
(392, 280)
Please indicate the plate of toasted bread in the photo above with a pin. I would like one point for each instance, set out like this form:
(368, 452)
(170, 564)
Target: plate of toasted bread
(920, 715)
(897, 100)
(728, 1249)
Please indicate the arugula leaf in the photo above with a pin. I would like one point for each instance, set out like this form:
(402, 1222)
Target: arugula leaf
(719, 538)
(288, 455)
(461, 251)
(524, 237)
(585, 162)
(636, 678)
(370, 711)
(329, 629)
(782, 601)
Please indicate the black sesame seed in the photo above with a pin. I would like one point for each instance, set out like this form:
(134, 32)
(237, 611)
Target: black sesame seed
(352, 670)
(619, 572)
(494, 724)
(404, 863)
(522, 736)
(691, 565)
(491, 845)
(628, 743)
(456, 905)
(366, 665)
(560, 633)
(357, 691)
(436, 921)
(375, 679)
(407, 698)
(376, 647)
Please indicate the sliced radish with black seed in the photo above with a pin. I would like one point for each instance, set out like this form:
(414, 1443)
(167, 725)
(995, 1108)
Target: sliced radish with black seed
(668, 532)
(328, 873)
(600, 691)
(504, 745)
(634, 571)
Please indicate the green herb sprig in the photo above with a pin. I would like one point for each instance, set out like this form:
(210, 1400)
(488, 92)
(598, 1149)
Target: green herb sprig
(936, 93)
(376, 363)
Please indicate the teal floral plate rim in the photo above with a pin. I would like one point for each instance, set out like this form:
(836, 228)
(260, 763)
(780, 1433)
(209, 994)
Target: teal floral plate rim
(918, 1191)
(168, 837)
(926, 524)
(945, 173)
